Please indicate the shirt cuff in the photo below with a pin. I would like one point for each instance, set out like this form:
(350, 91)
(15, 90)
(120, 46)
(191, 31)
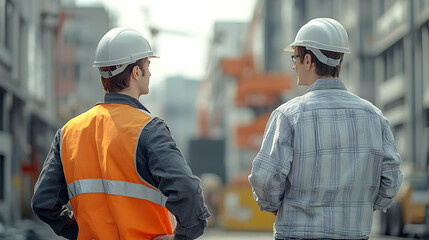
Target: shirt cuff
(383, 203)
(182, 233)
(266, 206)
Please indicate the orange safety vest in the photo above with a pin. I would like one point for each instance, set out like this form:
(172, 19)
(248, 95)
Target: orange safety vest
(108, 197)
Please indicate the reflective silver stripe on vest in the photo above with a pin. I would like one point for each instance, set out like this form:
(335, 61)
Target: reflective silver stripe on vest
(112, 187)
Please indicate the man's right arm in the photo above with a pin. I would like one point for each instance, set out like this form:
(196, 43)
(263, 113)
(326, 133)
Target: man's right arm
(391, 176)
(50, 194)
(272, 164)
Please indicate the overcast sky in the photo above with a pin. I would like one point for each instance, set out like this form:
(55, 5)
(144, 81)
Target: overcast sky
(187, 25)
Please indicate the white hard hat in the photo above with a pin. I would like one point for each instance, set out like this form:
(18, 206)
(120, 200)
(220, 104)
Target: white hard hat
(322, 34)
(120, 47)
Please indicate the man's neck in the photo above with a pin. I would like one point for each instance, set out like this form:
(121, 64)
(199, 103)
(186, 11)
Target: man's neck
(130, 92)
(325, 77)
(314, 78)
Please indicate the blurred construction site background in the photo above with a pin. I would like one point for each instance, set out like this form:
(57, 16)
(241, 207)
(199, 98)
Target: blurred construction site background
(218, 79)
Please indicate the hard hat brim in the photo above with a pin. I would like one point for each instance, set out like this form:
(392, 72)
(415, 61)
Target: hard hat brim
(289, 48)
(104, 64)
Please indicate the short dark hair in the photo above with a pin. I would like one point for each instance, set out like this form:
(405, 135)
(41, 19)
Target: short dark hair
(321, 68)
(121, 81)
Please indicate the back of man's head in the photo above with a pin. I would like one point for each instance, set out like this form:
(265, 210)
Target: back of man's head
(326, 40)
(323, 69)
(120, 81)
(117, 53)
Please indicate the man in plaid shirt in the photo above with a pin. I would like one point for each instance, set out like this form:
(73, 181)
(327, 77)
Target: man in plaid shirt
(328, 158)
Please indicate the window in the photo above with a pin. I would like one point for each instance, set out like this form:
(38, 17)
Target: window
(9, 8)
(425, 54)
(77, 71)
(2, 110)
(2, 23)
(6, 23)
(400, 136)
(63, 72)
(426, 111)
(394, 60)
(395, 103)
(423, 5)
(38, 62)
(2, 177)
(386, 4)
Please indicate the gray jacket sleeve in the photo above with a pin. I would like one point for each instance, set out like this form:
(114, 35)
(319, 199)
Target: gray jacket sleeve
(50, 194)
(160, 163)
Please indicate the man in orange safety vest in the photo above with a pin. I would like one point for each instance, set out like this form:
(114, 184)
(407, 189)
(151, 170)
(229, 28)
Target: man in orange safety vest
(117, 164)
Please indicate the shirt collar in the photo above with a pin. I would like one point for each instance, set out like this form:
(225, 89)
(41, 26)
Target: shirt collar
(123, 99)
(327, 83)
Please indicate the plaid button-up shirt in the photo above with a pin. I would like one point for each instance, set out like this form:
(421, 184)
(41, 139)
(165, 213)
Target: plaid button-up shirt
(328, 159)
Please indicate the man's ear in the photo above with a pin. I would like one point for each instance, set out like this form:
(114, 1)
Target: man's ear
(307, 61)
(135, 72)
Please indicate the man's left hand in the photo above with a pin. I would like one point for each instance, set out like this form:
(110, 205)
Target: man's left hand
(163, 237)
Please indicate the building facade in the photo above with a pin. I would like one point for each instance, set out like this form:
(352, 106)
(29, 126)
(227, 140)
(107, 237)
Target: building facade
(78, 84)
(45, 61)
(28, 118)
